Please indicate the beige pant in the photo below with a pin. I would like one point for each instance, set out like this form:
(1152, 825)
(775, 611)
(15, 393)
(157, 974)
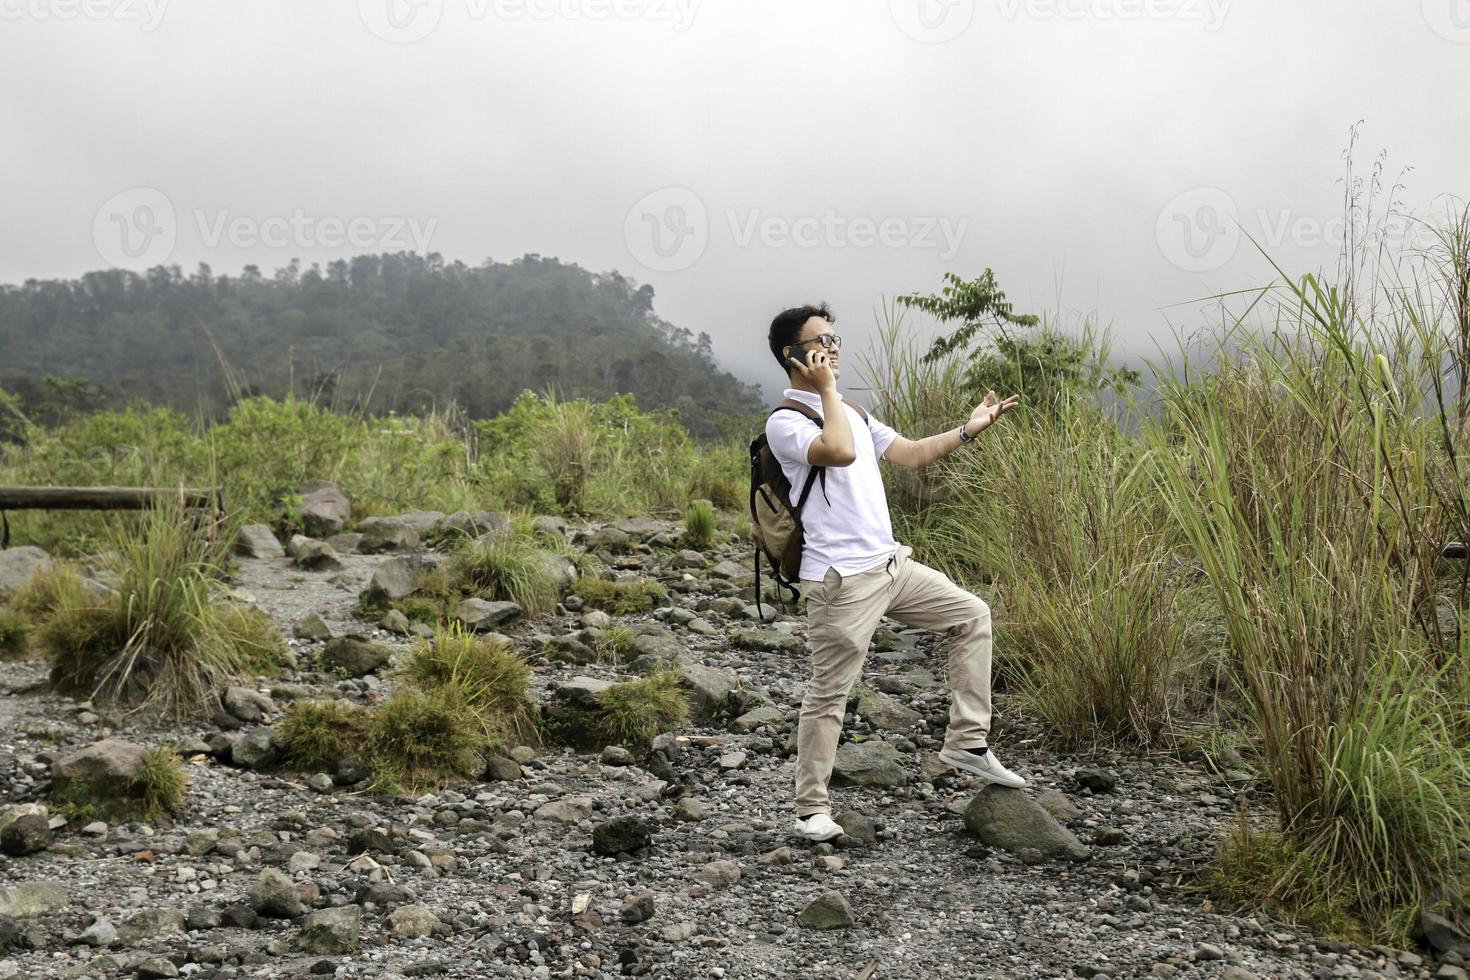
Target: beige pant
(842, 613)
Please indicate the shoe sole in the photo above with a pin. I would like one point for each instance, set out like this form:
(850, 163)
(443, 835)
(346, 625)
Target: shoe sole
(988, 777)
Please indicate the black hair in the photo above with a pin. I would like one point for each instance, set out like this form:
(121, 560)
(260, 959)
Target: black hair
(788, 324)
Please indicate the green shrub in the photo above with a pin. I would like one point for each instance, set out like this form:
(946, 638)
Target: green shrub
(615, 644)
(619, 598)
(633, 713)
(158, 642)
(157, 790)
(315, 735)
(424, 739)
(254, 641)
(14, 633)
(699, 524)
(509, 565)
(487, 674)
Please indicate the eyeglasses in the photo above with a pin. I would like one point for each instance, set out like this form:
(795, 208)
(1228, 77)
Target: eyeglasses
(829, 341)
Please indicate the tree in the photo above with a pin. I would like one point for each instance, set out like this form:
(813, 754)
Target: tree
(1015, 352)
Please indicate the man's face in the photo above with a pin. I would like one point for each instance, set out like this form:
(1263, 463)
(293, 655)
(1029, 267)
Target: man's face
(810, 331)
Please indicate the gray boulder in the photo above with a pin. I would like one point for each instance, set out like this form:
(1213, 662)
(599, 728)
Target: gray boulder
(714, 692)
(332, 932)
(828, 910)
(256, 750)
(482, 615)
(258, 541)
(274, 896)
(324, 508)
(625, 834)
(32, 899)
(19, 565)
(869, 764)
(380, 534)
(884, 713)
(399, 577)
(316, 556)
(1011, 820)
(103, 770)
(28, 834)
(353, 657)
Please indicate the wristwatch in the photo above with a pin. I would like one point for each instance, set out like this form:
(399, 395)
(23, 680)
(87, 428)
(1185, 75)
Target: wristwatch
(965, 437)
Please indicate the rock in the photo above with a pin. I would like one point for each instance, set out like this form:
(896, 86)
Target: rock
(393, 621)
(151, 924)
(498, 767)
(718, 874)
(688, 558)
(473, 523)
(399, 577)
(580, 692)
(482, 615)
(690, 810)
(316, 556)
(637, 907)
(621, 835)
(27, 834)
(412, 921)
(258, 541)
(1011, 820)
(771, 641)
(1205, 952)
(324, 508)
(312, 627)
(1058, 805)
(381, 534)
(869, 764)
(32, 899)
(658, 643)
(250, 706)
(353, 657)
(828, 910)
(155, 968)
(732, 760)
(1097, 780)
(884, 713)
(616, 755)
(766, 714)
(573, 809)
(857, 826)
(734, 571)
(101, 934)
(257, 750)
(712, 691)
(331, 932)
(101, 774)
(274, 896)
(1108, 836)
(19, 565)
(1441, 934)
(610, 539)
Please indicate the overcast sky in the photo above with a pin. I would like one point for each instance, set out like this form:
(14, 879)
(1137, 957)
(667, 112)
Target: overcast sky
(739, 155)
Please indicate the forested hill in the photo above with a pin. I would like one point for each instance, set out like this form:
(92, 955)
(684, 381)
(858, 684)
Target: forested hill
(377, 332)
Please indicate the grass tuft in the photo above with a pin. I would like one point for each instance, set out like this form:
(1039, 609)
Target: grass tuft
(419, 740)
(315, 735)
(699, 524)
(631, 714)
(619, 598)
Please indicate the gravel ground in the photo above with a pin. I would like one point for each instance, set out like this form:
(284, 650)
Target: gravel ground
(500, 878)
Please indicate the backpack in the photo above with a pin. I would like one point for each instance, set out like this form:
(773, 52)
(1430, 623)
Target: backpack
(774, 522)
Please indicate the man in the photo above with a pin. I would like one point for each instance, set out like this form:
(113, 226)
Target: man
(853, 572)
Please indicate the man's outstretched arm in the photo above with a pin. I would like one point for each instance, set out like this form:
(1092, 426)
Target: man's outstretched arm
(917, 453)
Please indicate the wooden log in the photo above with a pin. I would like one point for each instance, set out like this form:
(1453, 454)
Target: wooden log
(103, 498)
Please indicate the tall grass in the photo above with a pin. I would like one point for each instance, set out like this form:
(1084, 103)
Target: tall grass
(1315, 477)
(1096, 627)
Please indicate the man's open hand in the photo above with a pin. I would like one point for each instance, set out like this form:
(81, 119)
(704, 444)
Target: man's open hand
(988, 411)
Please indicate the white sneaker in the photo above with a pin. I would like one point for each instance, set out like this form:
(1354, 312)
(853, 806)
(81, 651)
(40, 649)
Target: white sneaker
(818, 827)
(986, 767)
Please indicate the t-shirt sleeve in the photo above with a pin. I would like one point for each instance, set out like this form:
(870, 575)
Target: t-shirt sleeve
(791, 435)
(883, 436)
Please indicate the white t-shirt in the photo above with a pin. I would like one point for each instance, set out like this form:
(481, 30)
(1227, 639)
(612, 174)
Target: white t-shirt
(850, 529)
